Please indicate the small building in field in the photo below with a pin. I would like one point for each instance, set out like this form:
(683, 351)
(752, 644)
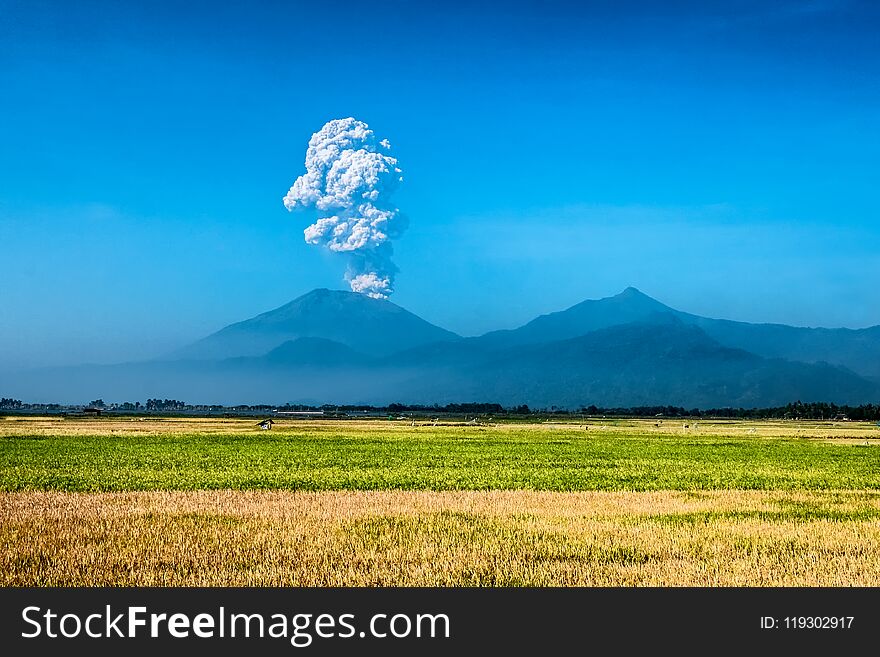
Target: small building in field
(92, 411)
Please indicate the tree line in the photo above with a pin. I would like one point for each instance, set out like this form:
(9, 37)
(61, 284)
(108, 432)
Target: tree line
(795, 411)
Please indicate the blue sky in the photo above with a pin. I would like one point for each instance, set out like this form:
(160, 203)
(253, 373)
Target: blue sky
(723, 159)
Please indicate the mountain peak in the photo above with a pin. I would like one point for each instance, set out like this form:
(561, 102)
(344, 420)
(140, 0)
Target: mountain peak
(632, 302)
(631, 292)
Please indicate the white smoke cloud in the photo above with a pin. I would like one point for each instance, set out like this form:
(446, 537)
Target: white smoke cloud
(349, 179)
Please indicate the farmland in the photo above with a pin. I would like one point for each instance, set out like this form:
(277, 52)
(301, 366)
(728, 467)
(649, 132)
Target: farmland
(162, 501)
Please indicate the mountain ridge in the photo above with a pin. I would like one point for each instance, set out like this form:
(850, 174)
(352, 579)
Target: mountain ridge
(856, 349)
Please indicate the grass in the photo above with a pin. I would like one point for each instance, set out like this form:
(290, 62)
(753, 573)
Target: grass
(396, 456)
(471, 538)
(188, 502)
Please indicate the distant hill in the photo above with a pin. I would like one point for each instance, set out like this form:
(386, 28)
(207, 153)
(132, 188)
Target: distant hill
(857, 349)
(370, 326)
(313, 352)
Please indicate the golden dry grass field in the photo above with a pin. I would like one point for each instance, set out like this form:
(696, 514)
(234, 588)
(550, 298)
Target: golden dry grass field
(467, 538)
(599, 502)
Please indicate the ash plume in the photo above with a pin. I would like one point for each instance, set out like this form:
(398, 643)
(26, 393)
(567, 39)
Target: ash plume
(349, 179)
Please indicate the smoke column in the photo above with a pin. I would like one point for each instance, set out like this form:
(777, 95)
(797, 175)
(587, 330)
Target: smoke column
(349, 179)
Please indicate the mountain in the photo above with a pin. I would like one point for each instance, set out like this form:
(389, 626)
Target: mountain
(856, 349)
(628, 306)
(653, 363)
(626, 350)
(371, 326)
(662, 361)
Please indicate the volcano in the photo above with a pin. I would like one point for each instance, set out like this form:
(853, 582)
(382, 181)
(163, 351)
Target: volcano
(374, 327)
